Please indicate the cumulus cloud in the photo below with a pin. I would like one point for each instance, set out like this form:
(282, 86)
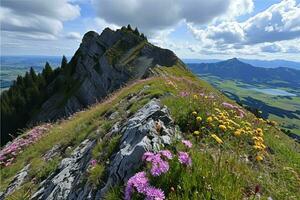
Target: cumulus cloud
(154, 15)
(36, 18)
(279, 22)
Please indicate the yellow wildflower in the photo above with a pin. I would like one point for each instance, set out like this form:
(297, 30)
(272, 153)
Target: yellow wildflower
(194, 113)
(218, 140)
(196, 133)
(199, 119)
(195, 96)
(259, 158)
(237, 133)
(209, 119)
(258, 147)
(222, 127)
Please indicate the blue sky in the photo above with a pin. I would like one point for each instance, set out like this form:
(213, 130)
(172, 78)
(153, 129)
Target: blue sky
(260, 29)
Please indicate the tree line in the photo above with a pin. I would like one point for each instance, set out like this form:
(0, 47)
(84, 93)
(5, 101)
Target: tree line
(25, 97)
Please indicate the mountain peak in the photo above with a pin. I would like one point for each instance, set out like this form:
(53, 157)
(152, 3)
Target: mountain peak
(234, 60)
(103, 63)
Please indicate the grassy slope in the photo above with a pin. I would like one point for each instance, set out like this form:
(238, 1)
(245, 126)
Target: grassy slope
(291, 104)
(218, 171)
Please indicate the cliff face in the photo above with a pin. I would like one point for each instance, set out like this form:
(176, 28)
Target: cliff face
(102, 64)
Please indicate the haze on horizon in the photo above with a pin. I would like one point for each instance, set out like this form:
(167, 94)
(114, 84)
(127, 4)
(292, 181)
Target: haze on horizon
(221, 29)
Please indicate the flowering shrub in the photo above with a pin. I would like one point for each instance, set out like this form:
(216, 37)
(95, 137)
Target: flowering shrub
(11, 150)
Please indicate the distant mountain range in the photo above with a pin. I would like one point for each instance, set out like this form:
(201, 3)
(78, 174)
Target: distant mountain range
(234, 69)
(254, 62)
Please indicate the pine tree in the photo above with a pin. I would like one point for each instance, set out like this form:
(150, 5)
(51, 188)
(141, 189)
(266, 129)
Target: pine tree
(129, 27)
(47, 72)
(64, 62)
(143, 36)
(33, 74)
(136, 31)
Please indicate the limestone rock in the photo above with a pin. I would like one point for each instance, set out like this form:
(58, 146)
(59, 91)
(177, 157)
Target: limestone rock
(16, 182)
(64, 182)
(148, 130)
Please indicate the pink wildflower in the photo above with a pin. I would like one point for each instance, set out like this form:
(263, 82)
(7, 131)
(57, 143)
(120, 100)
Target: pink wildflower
(167, 154)
(184, 158)
(93, 162)
(240, 112)
(159, 166)
(187, 143)
(139, 182)
(153, 193)
(12, 149)
(184, 94)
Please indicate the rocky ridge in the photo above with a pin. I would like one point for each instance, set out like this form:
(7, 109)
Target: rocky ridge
(149, 129)
(102, 64)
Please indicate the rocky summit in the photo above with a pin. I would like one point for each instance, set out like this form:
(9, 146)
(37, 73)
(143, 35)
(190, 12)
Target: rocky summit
(102, 64)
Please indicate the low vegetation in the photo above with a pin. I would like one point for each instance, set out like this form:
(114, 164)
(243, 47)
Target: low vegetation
(233, 156)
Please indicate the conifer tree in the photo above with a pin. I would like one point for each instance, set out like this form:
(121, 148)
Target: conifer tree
(64, 62)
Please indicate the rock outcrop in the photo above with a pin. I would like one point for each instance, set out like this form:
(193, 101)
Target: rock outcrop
(65, 182)
(149, 129)
(16, 182)
(102, 64)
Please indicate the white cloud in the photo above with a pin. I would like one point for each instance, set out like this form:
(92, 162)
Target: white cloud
(73, 36)
(279, 22)
(154, 15)
(36, 18)
(271, 48)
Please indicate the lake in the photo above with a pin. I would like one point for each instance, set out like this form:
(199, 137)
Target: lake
(270, 91)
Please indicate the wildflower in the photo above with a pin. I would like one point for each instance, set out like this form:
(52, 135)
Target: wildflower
(187, 143)
(257, 189)
(93, 162)
(222, 127)
(194, 113)
(196, 133)
(148, 156)
(237, 133)
(217, 138)
(195, 96)
(166, 153)
(259, 132)
(139, 182)
(153, 193)
(184, 158)
(199, 119)
(159, 166)
(184, 94)
(209, 119)
(259, 158)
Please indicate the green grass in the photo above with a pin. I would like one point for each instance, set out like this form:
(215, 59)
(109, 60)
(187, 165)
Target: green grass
(289, 104)
(217, 172)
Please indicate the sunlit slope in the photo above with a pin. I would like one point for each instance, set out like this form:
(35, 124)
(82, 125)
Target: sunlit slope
(234, 155)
